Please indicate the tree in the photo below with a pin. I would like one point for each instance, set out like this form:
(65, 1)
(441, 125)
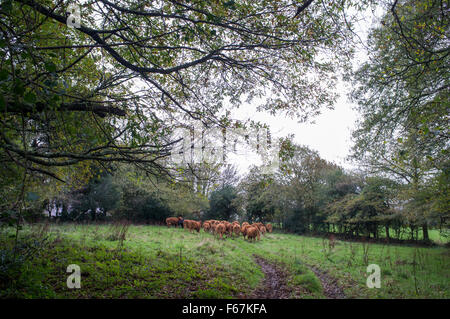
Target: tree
(114, 87)
(223, 203)
(229, 176)
(259, 200)
(363, 211)
(98, 198)
(402, 93)
(404, 85)
(304, 173)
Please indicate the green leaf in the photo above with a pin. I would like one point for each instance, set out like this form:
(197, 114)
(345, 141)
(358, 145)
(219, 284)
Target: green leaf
(230, 4)
(7, 6)
(3, 74)
(50, 67)
(18, 88)
(30, 97)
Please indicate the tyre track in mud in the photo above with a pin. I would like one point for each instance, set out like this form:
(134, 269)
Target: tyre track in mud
(274, 284)
(331, 289)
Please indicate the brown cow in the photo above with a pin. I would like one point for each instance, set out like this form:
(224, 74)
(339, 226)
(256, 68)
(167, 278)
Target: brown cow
(236, 229)
(172, 221)
(192, 225)
(206, 226)
(220, 230)
(257, 224)
(269, 228)
(195, 225)
(252, 233)
(244, 230)
(262, 229)
(229, 228)
(189, 224)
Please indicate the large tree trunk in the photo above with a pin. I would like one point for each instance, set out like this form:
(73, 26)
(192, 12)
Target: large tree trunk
(387, 232)
(425, 232)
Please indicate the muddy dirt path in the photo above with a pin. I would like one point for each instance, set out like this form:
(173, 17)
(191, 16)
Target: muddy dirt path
(274, 284)
(330, 286)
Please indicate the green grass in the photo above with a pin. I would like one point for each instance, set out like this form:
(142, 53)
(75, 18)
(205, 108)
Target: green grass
(434, 234)
(157, 262)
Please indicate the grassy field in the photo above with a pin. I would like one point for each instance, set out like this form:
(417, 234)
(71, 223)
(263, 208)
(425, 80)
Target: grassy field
(157, 262)
(434, 235)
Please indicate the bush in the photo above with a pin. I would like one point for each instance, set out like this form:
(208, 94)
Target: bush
(222, 203)
(296, 222)
(16, 264)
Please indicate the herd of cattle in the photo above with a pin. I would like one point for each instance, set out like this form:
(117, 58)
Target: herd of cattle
(221, 228)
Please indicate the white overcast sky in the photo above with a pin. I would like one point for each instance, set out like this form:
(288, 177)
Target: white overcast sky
(329, 134)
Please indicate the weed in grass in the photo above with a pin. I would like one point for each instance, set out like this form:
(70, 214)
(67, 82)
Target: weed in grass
(118, 231)
(327, 248)
(206, 246)
(180, 255)
(403, 275)
(308, 281)
(365, 256)
(352, 256)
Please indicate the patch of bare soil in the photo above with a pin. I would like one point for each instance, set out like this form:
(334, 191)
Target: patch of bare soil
(274, 285)
(330, 285)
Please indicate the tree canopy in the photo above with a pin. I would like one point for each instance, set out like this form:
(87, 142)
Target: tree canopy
(114, 87)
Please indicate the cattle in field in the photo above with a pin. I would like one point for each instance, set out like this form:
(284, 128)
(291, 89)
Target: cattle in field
(229, 228)
(195, 225)
(207, 226)
(262, 230)
(188, 224)
(257, 225)
(192, 225)
(172, 221)
(252, 233)
(244, 230)
(220, 230)
(236, 229)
